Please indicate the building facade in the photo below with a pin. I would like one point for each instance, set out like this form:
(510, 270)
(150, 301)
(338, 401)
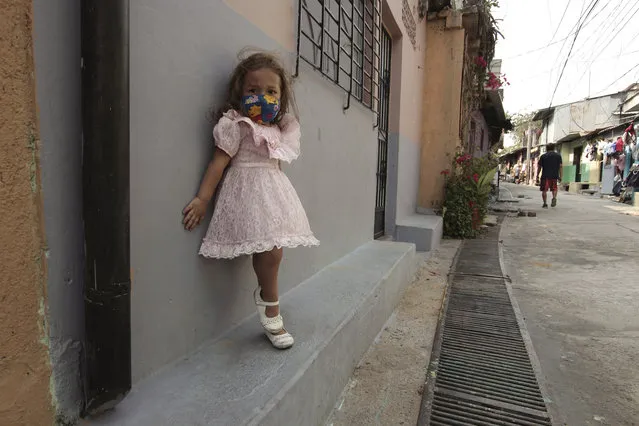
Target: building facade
(578, 127)
(378, 86)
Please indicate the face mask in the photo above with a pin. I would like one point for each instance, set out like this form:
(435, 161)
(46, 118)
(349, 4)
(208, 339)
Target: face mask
(260, 108)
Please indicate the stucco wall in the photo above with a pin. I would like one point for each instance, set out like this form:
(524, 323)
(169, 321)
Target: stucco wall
(442, 97)
(58, 81)
(181, 56)
(480, 139)
(589, 115)
(406, 109)
(24, 367)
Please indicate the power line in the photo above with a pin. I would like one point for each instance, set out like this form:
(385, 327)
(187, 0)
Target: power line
(609, 21)
(607, 43)
(552, 43)
(604, 42)
(624, 74)
(594, 4)
(574, 30)
(585, 22)
(595, 56)
(561, 21)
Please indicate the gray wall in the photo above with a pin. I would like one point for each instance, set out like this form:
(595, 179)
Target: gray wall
(181, 56)
(590, 114)
(403, 179)
(57, 61)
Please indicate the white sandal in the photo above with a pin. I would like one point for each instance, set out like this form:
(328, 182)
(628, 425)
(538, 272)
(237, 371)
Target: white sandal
(271, 325)
(281, 341)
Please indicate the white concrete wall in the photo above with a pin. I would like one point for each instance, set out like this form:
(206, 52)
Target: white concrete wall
(406, 106)
(181, 57)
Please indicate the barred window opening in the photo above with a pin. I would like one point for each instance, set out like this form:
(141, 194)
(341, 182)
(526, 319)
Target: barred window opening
(341, 39)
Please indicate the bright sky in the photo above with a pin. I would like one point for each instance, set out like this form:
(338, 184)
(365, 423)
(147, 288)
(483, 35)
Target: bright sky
(533, 55)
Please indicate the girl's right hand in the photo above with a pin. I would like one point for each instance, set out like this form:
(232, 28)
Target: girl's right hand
(194, 213)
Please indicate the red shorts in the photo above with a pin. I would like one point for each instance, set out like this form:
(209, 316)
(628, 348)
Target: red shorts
(548, 185)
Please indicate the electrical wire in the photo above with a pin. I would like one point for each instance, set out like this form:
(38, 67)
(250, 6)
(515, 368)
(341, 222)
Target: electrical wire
(552, 43)
(609, 22)
(618, 79)
(595, 57)
(604, 42)
(560, 21)
(602, 46)
(594, 4)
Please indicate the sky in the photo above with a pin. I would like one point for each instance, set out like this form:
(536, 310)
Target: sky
(604, 59)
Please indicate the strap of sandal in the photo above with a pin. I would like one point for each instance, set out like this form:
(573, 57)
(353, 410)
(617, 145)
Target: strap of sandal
(264, 303)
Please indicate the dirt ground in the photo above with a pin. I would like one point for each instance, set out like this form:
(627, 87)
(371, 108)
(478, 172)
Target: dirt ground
(386, 387)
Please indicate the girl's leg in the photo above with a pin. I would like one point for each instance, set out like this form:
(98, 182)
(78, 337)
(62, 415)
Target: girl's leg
(266, 266)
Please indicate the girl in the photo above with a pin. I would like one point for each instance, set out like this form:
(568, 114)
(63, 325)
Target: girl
(257, 211)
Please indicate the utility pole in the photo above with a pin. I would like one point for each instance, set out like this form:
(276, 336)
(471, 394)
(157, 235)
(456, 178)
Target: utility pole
(528, 148)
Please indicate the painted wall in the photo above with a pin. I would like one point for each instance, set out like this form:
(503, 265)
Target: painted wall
(589, 114)
(548, 132)
(406, 109)
(479, 139)
(57, 59)
(442, 97)
(181, 56)
(24, 363)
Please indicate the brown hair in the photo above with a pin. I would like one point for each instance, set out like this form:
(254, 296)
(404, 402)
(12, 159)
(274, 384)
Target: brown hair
(254, 62)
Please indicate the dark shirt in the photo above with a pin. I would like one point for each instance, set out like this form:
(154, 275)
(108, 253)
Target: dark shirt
(550, 163)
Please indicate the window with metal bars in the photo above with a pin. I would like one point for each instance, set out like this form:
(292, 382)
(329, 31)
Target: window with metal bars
(341, 39)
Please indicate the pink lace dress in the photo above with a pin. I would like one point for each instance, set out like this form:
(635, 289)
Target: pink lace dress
(257, 208)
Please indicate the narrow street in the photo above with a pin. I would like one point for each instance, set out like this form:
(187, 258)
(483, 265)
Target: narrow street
(574, 270)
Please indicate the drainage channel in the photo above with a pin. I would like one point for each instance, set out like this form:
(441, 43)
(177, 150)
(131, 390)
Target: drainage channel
(480, 371)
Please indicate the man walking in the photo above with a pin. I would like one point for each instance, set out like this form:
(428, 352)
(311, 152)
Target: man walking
(550, 171)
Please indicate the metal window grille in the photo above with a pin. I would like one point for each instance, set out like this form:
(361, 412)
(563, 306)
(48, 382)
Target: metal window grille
(341, 39)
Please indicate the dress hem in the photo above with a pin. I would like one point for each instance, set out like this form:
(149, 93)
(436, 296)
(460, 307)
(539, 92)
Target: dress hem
(213, 250)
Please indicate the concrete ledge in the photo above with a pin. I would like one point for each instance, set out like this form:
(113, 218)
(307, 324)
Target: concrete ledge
(576, 187)
(241, 380)
(425, 231)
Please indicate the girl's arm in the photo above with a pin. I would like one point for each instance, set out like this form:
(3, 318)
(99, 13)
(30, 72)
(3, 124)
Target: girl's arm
(213, 174)
(194, 212)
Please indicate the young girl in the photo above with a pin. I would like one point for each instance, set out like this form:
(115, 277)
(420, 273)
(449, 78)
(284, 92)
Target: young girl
(257, 211)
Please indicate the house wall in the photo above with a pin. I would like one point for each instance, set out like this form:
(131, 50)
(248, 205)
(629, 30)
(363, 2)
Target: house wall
(24, 364)
(479, 139)
(440, 116)
(590, 170)
(590, 114)
(181, 57)
(548, 131)
(406, 110)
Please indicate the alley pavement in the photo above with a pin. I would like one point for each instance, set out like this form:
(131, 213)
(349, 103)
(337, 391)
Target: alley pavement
(575, 272)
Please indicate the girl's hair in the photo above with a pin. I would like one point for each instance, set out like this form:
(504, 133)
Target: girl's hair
(254, 62)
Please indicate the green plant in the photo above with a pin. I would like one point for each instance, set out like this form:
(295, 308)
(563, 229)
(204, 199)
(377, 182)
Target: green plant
(467, 193)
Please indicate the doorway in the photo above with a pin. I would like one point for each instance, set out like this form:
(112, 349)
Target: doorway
(382, 134)
(576, 161)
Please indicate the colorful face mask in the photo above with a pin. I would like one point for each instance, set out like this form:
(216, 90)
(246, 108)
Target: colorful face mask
(260, 108)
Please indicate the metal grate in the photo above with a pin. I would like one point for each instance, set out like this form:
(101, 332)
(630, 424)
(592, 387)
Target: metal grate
(481, 372)
(341, 39)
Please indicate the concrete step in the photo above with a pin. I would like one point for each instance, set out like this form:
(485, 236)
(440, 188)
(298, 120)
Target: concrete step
(240, 379)
(423, 230)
